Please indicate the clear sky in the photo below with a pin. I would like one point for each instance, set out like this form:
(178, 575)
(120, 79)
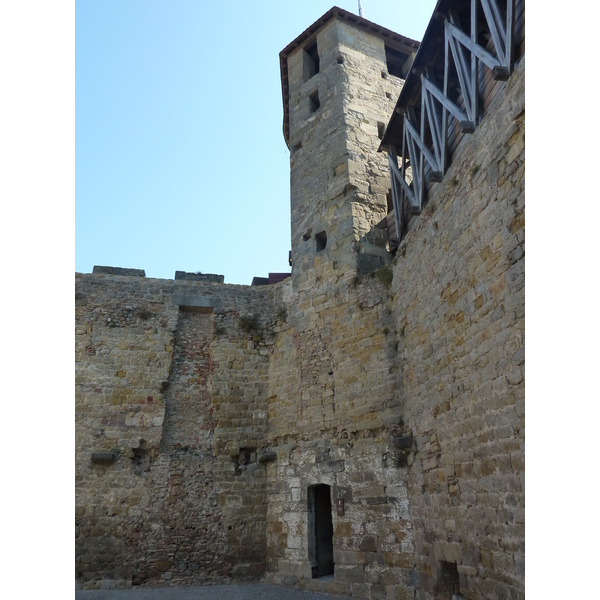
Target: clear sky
(180, 158)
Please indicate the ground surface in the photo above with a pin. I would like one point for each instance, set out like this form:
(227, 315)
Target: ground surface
(259, 591)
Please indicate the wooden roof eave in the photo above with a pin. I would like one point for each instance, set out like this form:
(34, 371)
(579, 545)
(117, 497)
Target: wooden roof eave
(430, 53)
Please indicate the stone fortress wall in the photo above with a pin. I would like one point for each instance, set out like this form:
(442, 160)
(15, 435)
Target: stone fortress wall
(171, 393)
(207, 413)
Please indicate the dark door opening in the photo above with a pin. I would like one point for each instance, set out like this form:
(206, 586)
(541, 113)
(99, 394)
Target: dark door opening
(448, 581)
(320, 530)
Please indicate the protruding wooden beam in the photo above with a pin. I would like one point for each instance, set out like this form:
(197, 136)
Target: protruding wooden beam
(500, 73)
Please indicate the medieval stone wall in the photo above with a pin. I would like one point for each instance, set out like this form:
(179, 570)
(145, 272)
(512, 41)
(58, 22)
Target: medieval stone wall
(171, 387)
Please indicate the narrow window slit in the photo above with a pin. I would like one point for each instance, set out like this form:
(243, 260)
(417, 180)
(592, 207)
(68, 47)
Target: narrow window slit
(314, 103)
(311, 61)
(321, 241)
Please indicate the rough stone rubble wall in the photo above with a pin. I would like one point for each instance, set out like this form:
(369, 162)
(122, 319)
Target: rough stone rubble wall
(177, 391)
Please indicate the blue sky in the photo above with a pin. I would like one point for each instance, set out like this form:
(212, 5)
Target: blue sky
(180, 158)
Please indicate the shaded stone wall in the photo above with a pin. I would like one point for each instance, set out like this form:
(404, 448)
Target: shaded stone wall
(172, 386)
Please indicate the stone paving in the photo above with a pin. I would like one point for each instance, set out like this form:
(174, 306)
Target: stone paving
(260, 591)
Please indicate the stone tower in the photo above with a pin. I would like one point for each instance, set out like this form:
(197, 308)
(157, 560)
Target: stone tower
(341, 79)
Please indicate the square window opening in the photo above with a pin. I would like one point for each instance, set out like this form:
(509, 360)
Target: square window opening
(380, 130)
(396, 62)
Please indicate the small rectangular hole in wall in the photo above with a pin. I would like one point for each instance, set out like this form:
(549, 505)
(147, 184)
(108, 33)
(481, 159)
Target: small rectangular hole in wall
(321, 241)
(380, 130)
(310, 56)
(390, 201)
(314, 103)
(448, 583)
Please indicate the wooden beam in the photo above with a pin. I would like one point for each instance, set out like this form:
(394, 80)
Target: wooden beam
(483, 55)
(403, 195)
(458, 114)
(416, 159)
(500, 73)
(413, 132)
(474, 64)
(492, 16)
(461, 70)
(435, 127)
(405, 186)
(510, 26)
(396, 194)
(414, 165)
(444, 110)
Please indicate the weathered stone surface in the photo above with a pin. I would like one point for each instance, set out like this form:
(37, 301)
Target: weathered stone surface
(206, 277)
(119, 271)
(154, 393)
